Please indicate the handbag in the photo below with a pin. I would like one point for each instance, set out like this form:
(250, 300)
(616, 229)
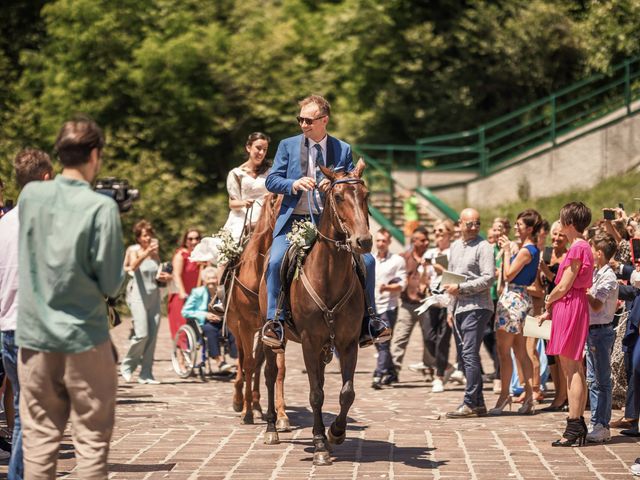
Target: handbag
(532, 329)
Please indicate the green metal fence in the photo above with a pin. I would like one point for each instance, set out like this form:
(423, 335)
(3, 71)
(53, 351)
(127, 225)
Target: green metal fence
(537, 127)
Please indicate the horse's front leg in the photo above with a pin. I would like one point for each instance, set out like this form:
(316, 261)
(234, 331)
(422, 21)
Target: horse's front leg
(348, 361)
(238, 383)
(258, 354)
(282, 425)
(270, 372)
(315, 371)
(249, 365)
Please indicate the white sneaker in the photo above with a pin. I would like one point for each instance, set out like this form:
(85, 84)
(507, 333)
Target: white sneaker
(458, 377)
(148, 381)
(599, 434)
(437, 386)
(125, 374)
(635, 469)
(418, 367)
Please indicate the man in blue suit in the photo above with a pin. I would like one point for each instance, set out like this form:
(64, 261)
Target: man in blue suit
(294, 173)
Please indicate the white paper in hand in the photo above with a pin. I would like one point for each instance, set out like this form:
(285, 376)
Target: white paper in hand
(440, 300)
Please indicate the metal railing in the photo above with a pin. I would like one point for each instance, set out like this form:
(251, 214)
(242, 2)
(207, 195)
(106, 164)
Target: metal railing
(537, 127)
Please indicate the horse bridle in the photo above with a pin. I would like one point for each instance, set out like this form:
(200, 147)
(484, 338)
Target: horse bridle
(340, 244)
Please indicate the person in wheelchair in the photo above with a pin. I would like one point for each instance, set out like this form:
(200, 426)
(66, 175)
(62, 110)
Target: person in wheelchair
(196, 307)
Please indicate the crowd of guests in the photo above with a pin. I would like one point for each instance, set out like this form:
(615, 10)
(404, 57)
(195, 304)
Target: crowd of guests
(580, 274)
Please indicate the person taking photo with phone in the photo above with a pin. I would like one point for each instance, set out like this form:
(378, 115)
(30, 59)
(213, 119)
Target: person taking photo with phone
(142, 262)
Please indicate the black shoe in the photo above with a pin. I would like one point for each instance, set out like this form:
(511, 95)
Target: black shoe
(575, 435)
(218, 307)
(273, 335)
(556, 408)
(376, 384)
(631, 432)
(375, 330)
(389, 379)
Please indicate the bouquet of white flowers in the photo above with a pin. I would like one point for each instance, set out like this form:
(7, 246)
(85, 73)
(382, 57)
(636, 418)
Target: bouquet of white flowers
(216, 249)
(228, 249)
(303, 233)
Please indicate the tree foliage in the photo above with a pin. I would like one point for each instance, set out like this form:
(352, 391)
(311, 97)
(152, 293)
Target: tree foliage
(178, 85)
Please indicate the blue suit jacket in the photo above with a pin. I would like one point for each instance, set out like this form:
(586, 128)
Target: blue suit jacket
(290, 164)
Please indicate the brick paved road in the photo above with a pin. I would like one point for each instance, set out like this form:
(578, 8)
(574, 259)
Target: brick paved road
(186, 429)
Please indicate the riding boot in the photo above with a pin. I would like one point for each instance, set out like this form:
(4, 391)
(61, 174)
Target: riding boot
(273, 335)
(374, 330)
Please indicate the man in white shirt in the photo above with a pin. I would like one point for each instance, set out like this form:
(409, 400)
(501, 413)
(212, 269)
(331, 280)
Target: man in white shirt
(390, 281)
(30, 165)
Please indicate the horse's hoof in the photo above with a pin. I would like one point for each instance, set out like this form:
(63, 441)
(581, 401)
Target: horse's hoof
(283, 425)
(335, 440)
(271, 438)
(237, 407)
(258, 414)
(321, 458)
(247, 420)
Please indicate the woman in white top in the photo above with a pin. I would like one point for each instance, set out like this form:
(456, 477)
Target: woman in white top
(246, 185)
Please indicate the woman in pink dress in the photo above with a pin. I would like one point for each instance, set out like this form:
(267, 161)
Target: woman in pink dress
(569, 310)
(185, 276)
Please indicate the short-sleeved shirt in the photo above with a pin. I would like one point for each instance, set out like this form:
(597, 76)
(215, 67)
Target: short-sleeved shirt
(604, 289)
(580, 250)
(9, 226)
(71, 256)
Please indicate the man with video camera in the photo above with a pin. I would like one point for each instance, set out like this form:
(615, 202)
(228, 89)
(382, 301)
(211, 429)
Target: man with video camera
(71, 256)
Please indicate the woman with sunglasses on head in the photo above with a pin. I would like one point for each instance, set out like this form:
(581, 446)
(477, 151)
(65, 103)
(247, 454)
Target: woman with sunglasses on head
(246, 185)
(519, 270)
(185, 277)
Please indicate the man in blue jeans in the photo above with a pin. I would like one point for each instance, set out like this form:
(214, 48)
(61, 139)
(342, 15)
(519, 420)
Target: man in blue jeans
(602, 297)
(391, 278)
(472, 306)
(30, 165)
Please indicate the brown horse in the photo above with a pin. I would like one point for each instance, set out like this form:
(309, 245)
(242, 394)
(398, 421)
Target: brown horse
(327, 306)
(244, 320)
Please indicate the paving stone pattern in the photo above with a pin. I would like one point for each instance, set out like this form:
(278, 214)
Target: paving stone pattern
(187, 429)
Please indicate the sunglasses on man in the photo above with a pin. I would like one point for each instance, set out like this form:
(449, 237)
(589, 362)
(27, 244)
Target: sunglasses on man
(308, 121)
(475, 224)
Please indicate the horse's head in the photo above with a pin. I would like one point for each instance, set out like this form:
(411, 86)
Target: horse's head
(347, 206)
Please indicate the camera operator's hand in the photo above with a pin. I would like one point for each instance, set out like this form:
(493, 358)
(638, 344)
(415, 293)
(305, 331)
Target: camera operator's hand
(248, 203)
(305, 184)
(213, 318)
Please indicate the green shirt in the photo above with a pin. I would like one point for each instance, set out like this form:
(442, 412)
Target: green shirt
(70, 257)
(410, 209)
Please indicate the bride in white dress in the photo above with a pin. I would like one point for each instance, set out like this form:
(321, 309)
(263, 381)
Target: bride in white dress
(246, 185)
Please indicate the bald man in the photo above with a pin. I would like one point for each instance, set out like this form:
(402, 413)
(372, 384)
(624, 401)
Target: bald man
(471, 256)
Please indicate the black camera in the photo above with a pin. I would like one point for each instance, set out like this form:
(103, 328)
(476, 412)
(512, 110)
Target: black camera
(119, 190)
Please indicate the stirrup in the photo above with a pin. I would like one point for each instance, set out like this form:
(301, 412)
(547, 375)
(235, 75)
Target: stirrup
(276, 327)
(382, 332)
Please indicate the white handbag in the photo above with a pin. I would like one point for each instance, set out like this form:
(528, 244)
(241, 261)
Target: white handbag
(532, 329)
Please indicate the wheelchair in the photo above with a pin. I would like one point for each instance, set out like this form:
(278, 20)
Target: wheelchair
(190, 344)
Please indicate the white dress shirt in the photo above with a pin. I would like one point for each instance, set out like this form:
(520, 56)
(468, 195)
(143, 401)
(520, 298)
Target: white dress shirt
(302, 208)
(9, 226)
(389, 269)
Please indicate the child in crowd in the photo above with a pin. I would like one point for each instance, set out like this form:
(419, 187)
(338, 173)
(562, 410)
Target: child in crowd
(602, 298)
(197, 308)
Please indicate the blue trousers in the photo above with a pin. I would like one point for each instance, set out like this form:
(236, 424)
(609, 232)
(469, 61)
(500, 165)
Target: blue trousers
(213, 332)
(384, 364)
(279, 248)
(599, 347)
(469, 330)
(10, 361)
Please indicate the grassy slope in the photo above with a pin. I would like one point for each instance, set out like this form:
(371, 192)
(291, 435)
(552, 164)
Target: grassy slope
(608, 193)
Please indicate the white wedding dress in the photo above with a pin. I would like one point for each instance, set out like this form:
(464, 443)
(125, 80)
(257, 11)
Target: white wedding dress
(242, 186)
